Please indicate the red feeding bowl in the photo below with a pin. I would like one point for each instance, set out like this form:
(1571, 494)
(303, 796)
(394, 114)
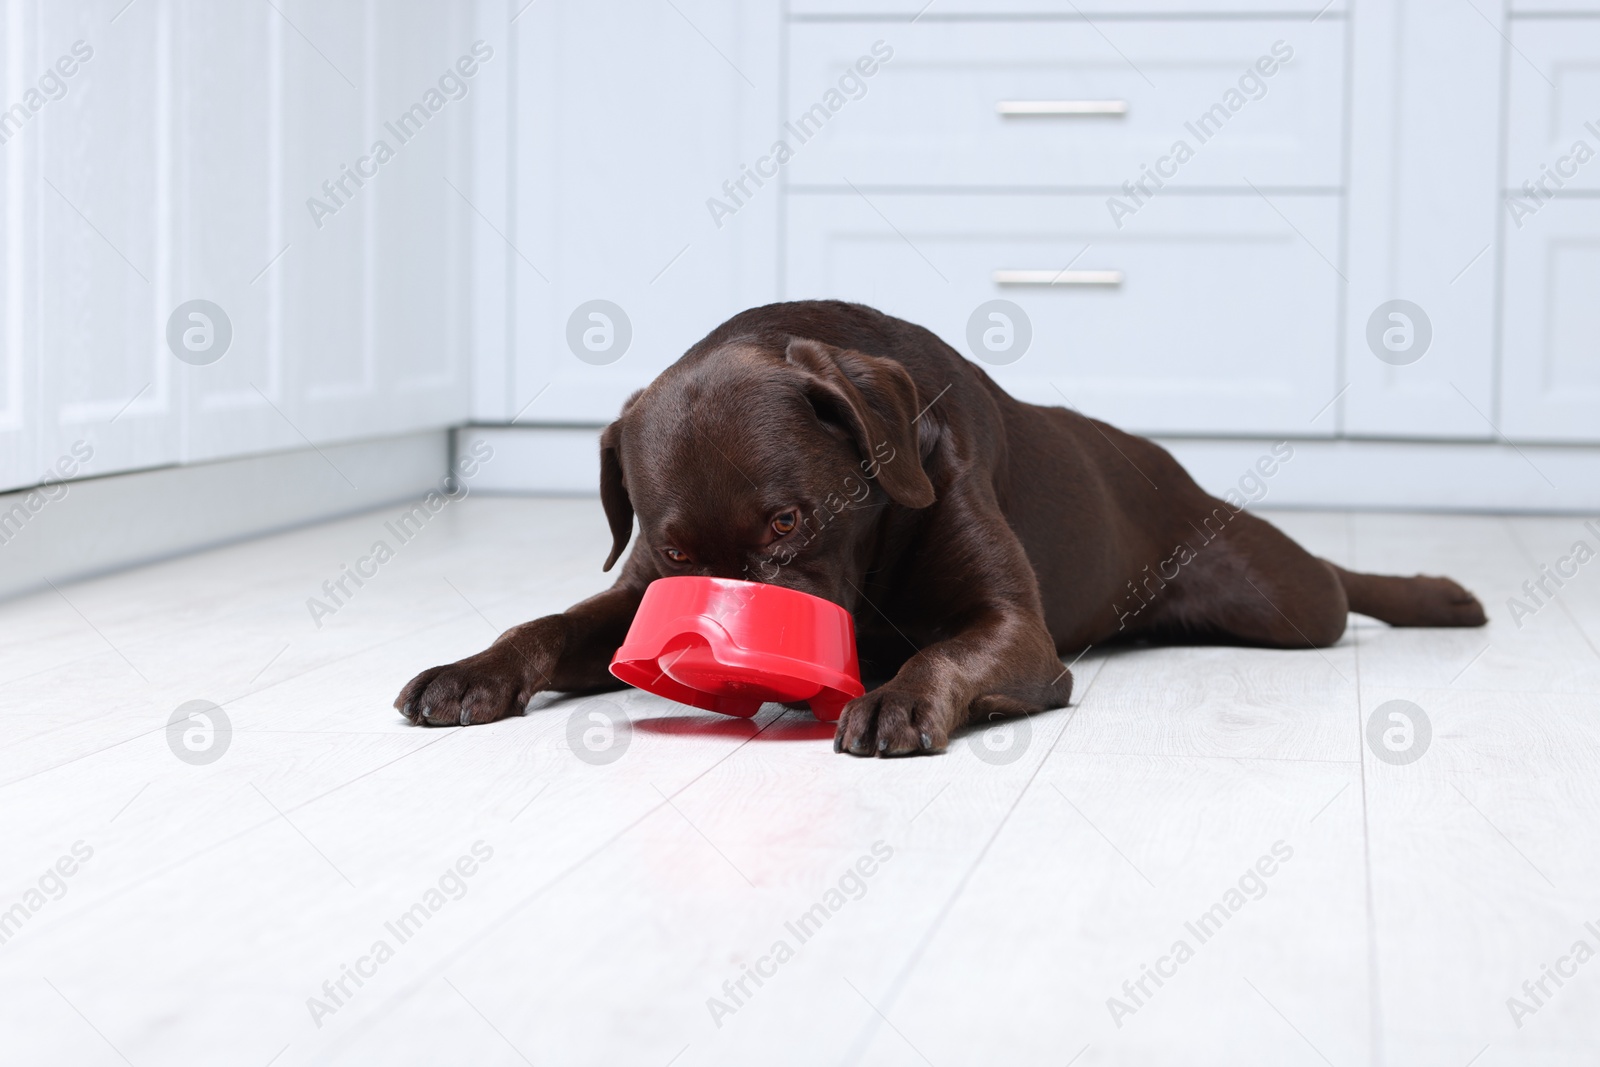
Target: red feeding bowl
(731, 646)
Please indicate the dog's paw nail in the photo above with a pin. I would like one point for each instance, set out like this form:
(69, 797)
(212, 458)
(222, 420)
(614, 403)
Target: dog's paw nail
(883, 745)
(927, 742)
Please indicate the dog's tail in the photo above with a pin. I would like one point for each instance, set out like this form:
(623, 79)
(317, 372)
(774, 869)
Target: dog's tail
(1418, 601)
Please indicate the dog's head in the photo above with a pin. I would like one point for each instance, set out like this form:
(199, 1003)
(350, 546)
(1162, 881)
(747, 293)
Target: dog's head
(765, 464)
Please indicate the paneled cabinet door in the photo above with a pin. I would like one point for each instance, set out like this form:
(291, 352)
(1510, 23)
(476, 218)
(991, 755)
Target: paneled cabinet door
(1550, 330)
(1423, 190)
(317, 211)
(1553, 124)
(1550, 362)
(87, 277)
(634, 121)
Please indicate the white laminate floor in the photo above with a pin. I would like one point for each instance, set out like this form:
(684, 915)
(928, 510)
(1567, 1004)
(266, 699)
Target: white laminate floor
(247, 910)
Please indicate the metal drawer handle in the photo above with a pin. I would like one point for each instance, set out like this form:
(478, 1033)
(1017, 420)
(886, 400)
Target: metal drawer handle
(1046, 108)
(1058, 277)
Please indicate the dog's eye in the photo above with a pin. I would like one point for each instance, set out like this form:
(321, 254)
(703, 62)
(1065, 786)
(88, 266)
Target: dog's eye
(785, 523)
(675, 555)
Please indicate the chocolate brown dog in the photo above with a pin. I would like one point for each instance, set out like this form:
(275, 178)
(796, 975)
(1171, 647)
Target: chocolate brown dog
(976, 539)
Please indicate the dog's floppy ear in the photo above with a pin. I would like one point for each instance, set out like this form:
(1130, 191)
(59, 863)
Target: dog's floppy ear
(876, 400)
(614, 493)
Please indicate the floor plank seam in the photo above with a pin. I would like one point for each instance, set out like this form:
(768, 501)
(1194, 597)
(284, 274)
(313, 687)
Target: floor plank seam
(864, 1038)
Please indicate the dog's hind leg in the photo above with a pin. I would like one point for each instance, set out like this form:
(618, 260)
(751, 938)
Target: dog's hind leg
(1238, 578)
(1235, 578)
(1416, 601)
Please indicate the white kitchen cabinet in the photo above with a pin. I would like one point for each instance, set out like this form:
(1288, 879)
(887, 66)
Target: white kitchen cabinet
(612, 152)
(177, 164)
(921, 198)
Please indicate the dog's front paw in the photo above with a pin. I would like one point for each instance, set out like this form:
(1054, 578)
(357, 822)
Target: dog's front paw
(479, 689)
(1455, 606)
(893, 722)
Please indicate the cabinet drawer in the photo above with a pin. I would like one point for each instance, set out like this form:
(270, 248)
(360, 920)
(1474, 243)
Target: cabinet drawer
(1547, 119)
(1220, 319)
(943, 9)
(1543, 8)
(935, 112)
(1550, 354)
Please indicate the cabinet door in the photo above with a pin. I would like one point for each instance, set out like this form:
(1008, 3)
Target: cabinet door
(1550, 329)
(96, 250)
(1204, 315)
(1550, 362)
(1423, 194)
(631, 117)
(179, 161)
(350, 320)
(1553, 123)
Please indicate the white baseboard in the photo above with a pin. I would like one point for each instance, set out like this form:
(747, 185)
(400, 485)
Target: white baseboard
(1376, 475)
(536, 459)
(1404, 475)
(99, 524)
